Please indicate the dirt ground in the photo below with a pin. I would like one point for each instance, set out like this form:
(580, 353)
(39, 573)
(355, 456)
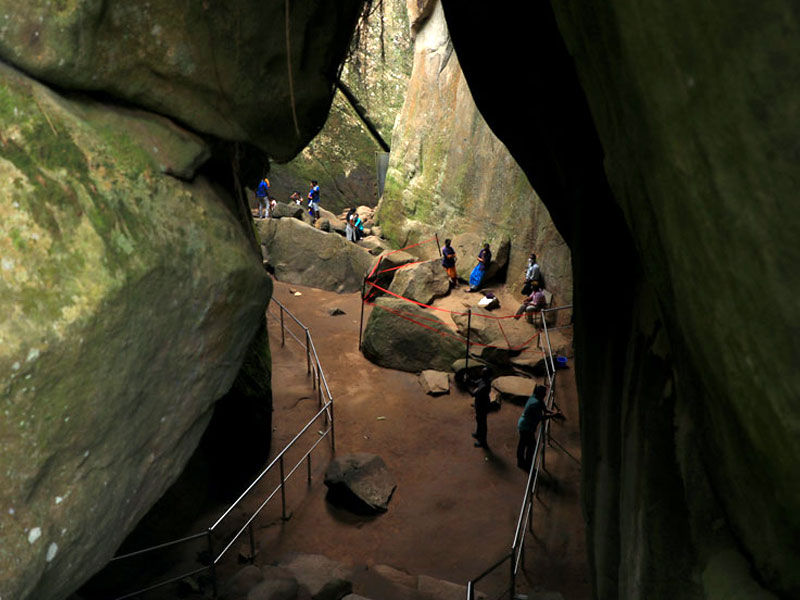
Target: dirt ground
(455, 508)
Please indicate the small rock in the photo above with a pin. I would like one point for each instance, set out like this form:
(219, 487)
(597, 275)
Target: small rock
(274, 589)
(322, 577)
(335, 311)
(242, 582)
(360, 483)
(434, 383)
(298, 294)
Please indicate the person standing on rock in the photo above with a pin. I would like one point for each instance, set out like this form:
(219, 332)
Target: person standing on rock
(449, 263)
(479, 272)
(534, 413)
(313, 200)
(481, 392)
(350, 225)
(262, 196)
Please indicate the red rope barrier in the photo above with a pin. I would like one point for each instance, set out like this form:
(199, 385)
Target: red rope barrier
(520, 348)
(412, 245)
(400, 267)
(452, 312)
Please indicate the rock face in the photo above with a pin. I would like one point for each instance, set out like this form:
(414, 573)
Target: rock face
(208, 65)
(666, 147)
(127, 316)
(360, 483)
(448, 173)
(422, 282)
(395, 338)
(301, 254)
(342, 157)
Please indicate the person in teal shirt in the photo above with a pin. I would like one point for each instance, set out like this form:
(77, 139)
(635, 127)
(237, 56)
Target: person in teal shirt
(534, 413)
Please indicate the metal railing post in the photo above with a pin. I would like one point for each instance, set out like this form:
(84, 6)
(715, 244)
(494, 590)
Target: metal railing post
(438, 246)
(308, 461)
(283, 490)
(470, 591)
(212, 564)
(361, 320)
(469, 330)
(333, 433)
(512, 585)
(252, 544)
(308, 352)
(283, 332)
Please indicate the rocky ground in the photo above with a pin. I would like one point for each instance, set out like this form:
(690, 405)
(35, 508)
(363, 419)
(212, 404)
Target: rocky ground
(455, 507)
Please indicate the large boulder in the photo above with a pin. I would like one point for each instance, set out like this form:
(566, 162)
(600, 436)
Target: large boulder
(301, 254)
(421, 282)
(129, 301)
(360, 483)
(468, 245)
(401, 335)
(287, 210)
(207, 64)
(482, 324)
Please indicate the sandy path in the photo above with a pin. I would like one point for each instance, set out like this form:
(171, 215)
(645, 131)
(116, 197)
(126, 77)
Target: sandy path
(456, 506)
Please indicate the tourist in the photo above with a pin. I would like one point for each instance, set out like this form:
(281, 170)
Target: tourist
(534, 413)
(449, 263)
(481, 393)
(262, 197)
(358, 225)
(533, 274)
(479, 272)
(313, 200)
(295, 197)
(350, 228)
(535, 302)
(272, 204)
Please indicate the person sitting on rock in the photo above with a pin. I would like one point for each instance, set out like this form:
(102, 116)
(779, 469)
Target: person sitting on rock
(449, 263)
(272, 204)
(295, 197)
(479, 272)
(533, 274)
(535, 302)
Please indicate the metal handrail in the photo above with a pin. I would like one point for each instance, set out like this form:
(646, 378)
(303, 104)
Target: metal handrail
(318, 380)
(526, 508)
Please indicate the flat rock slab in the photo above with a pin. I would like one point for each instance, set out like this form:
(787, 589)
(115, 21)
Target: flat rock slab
(360, 482)
(434, 383)
(513, 389)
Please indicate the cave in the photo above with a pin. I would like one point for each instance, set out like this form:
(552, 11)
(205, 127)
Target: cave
(663, 142)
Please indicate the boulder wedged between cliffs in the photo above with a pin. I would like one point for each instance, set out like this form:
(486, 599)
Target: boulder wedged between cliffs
(400, 335)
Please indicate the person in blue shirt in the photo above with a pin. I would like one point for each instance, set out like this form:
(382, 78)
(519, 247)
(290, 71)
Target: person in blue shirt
(534, 413)
(262, 196)
(313, 200)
